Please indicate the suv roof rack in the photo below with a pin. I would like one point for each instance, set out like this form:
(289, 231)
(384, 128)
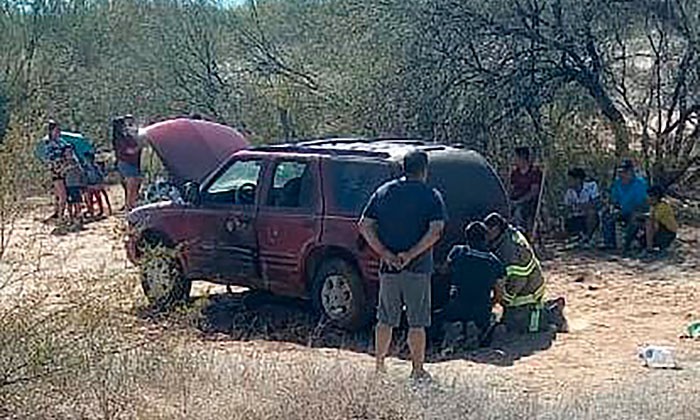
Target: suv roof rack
(351, 140)
(292, 148)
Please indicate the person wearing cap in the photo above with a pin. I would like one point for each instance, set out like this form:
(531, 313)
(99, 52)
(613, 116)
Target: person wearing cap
(402, 222)
(474, 272)
(581, 200)
(661, 227)
(522, 293)
(629, 197)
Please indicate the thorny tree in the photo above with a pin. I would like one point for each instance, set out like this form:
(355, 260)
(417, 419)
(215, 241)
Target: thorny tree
(636, 60)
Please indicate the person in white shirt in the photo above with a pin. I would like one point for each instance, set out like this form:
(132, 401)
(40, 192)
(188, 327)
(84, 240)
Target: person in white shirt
(581, 206)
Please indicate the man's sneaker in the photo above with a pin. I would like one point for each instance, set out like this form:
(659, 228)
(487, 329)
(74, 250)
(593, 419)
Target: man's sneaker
(646, 255)
(420, 377)
(587, 244)
(556, 314)
(572, 243)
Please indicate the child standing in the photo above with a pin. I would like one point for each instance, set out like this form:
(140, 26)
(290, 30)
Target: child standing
(74, 179)
(662, 227)
(95, 186)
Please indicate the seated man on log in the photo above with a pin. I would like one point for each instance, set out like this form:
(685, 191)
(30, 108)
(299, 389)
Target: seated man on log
(581, 202)
(629, 207)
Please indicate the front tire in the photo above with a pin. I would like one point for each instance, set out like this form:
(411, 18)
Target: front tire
(339, 294)
(162, 279)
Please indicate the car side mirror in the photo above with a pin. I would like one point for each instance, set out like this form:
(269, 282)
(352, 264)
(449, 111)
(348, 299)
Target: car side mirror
(192, 194)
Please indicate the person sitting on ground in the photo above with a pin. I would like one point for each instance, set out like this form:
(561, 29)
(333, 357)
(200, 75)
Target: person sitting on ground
(522, 293)
(581, 206)
(629, 200)
(74, 179)
(525, 182)
(95, 191)
(474, 272)
(661, 227)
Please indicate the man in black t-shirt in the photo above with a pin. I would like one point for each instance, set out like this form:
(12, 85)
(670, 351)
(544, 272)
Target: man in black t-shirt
(402, 222)
(474, 272)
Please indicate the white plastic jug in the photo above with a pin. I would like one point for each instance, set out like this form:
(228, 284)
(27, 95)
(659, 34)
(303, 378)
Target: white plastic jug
(658, 357)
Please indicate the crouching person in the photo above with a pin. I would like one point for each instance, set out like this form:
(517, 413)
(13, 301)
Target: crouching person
(474, 272)
(662, 227)
(522, 293)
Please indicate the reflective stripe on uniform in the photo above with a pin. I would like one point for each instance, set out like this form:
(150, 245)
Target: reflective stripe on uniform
(520, 239)
(534, 298)
(522, 271)
(514, 270)
(535, 320)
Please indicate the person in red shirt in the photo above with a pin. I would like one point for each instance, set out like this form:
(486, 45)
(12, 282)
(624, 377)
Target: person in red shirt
(128, 153)
(525, 181)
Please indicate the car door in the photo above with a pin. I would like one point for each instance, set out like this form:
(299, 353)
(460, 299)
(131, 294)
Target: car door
(233, 197)
(289, 223)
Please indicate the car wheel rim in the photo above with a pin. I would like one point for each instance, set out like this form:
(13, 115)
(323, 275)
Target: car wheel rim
(336, 297)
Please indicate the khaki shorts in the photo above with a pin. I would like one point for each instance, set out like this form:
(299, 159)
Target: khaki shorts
(408, 289)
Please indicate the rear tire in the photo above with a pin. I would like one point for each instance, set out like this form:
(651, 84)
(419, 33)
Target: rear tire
(162, 279)
(339, 294)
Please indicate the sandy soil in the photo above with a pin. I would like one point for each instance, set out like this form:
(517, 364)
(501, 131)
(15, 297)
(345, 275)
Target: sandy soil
(614, 305)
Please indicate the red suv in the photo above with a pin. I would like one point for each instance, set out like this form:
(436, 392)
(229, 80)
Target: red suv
(283, 218)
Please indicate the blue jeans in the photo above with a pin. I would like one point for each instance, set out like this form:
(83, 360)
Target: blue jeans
(632, 223)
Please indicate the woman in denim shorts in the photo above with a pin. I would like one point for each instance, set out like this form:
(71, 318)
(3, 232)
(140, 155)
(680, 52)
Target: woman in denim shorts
(128, 152)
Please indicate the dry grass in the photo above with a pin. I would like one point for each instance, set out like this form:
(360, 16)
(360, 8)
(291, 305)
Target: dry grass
(87, 356)
(168, 381)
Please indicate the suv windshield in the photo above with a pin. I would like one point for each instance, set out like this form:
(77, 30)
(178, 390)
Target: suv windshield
(352, 182)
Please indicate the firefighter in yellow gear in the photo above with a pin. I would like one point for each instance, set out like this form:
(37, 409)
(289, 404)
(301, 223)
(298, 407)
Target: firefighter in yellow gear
(522, 292)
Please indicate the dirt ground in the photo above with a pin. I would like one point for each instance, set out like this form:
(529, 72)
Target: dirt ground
(614, 305)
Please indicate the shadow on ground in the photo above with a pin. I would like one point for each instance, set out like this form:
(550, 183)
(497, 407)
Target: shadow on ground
(254, 315)
(683, 257)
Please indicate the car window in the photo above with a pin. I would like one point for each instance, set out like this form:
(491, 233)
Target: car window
(352, 182)
(237, 184)
(291, 185)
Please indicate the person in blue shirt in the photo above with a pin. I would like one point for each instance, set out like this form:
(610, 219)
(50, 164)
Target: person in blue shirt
(474, 272)
(629, 198)
(402, 222)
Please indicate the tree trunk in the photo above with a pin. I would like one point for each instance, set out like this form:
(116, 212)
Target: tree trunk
(615, 118)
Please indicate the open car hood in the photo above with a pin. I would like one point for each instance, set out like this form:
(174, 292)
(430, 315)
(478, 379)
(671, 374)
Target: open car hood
(191, 149)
